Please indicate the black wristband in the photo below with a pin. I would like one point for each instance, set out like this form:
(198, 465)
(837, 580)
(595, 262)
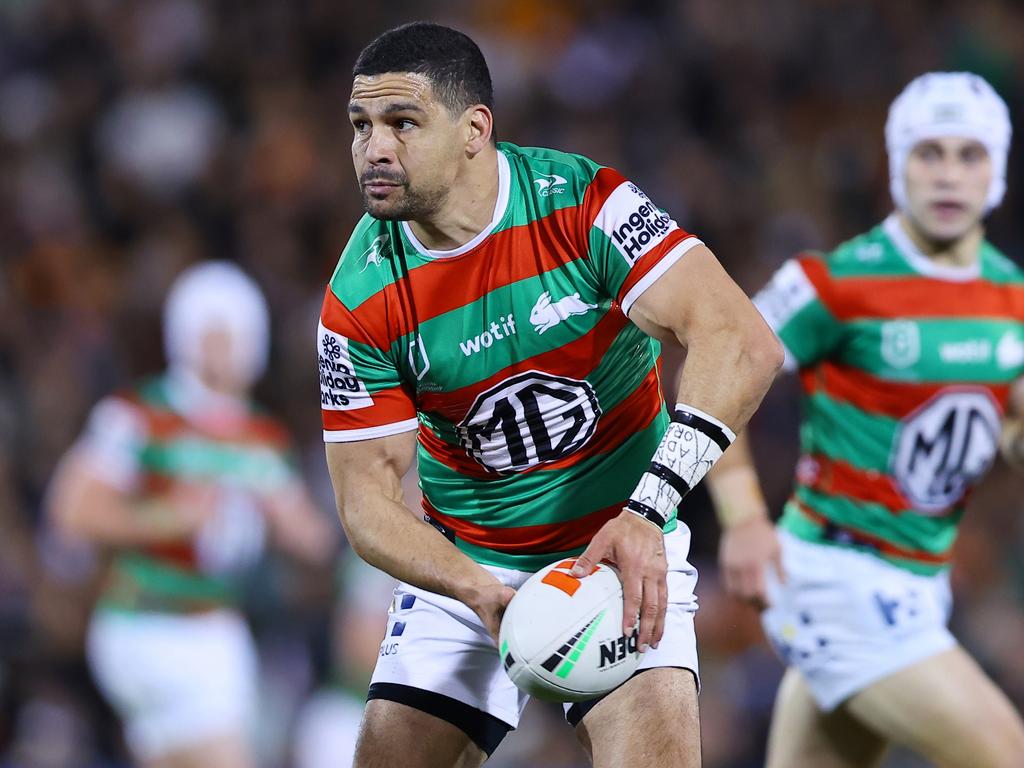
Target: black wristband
(709, 428)
(646, 512)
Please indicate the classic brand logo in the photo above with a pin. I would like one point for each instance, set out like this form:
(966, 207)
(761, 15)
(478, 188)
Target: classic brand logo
(547, 314)
(549, 183)
(379, 248)
(901, 343)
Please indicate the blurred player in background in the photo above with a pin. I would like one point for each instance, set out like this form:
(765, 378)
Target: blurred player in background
(910, 347)
(181, 479)
(497, 306)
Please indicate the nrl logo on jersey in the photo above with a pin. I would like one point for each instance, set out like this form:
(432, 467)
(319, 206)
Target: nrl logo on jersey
(901, 343)
(379, 248)
(549, 183)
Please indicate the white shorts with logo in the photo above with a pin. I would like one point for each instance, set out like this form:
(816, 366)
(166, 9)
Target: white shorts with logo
(846, 619)
(175, 681)
(437, 644)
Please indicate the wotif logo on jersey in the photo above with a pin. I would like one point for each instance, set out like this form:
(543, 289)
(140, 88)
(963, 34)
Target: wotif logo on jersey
(502, 328)
(549, 184)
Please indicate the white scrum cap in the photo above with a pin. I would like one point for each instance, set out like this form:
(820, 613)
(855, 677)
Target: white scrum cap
(940, 104)
(217, 294)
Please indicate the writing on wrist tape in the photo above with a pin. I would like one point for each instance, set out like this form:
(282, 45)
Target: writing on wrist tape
(692, 444)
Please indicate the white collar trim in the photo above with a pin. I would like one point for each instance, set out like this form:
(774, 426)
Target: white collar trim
(500, 205)
(921, 263)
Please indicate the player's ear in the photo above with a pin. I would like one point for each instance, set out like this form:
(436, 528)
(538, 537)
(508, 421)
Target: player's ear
(479, 124)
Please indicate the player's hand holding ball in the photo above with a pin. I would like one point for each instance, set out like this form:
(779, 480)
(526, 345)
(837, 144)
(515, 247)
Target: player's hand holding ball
(562, 637)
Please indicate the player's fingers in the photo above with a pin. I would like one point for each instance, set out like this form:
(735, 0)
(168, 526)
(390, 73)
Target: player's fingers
(659, 624)
(648, 613)
(632, 598)
(758, 589)
(591, 556)
(776, 562)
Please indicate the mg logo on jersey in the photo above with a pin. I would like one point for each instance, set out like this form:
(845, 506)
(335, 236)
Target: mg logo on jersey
(379, 248)
(901, 343)
(530, 419)
(944, 447)
(549, 183)
(547, 314)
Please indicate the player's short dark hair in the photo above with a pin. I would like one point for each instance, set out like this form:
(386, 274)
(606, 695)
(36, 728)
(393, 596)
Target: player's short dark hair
(451, 61)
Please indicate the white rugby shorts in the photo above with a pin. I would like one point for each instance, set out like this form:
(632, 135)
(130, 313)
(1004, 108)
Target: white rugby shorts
(175, 681)
(437, 644)
(846, 618)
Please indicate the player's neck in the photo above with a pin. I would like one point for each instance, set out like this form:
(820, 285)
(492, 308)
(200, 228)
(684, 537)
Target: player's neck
(469, 208)
(962, 252)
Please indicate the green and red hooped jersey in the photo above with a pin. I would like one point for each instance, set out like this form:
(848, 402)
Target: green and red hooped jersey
(142, 442)
(906, 368)
(538, 404)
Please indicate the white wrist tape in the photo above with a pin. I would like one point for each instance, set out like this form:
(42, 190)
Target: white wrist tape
(692, 444)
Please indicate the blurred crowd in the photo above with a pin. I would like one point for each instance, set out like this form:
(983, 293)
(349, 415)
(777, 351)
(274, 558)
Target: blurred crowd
(137, 138)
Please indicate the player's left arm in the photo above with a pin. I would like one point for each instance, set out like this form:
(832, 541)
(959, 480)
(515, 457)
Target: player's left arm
(1011, 442)
(732, 357)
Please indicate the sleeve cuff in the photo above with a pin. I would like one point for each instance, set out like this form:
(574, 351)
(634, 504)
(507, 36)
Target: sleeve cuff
(368, 433)
(657, 271)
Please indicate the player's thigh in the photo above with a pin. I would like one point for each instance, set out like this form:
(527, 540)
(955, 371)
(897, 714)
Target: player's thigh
(948, 710)
(221, 751)
(651, 719)
(803, 735)
(394, 734)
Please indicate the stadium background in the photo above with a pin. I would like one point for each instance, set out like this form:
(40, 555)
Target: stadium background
(137, 137)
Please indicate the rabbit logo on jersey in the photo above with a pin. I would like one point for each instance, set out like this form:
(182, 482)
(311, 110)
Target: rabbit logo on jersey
(546, 314)
(634, 224)
(945, 447)
(340, 388)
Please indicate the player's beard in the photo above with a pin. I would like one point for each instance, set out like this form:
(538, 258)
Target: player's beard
(406, 203)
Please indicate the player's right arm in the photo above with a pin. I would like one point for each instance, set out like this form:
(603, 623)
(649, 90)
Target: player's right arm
(370, 424)
(93, 496)
(367, 477)
(795, 304)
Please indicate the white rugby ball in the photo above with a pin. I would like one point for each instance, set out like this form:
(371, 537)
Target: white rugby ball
(561, 637)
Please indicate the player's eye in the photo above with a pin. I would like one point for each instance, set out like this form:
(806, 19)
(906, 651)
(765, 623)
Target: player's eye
(928, 152)
(974, 153)
(404, 124)
(361, 126)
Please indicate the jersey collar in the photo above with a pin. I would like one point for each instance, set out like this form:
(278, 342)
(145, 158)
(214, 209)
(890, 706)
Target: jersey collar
(921, 263)
(500, 205)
